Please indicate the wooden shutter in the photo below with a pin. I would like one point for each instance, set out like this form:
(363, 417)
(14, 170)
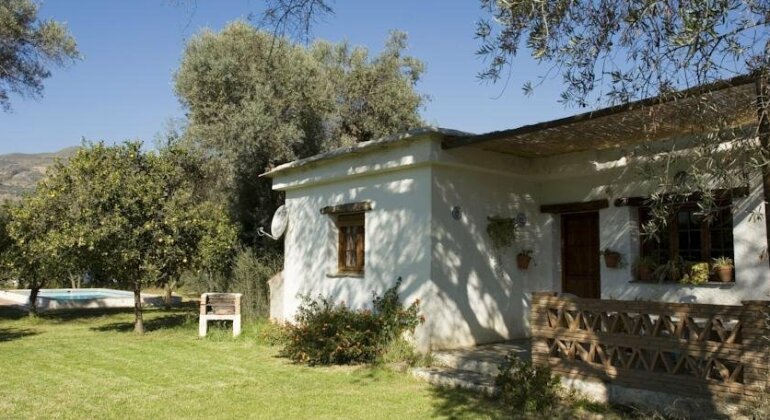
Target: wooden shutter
(359, 248)
(350, 246)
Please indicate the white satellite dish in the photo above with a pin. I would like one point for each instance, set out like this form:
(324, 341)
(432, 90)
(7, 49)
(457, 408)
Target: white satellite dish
(279, 224)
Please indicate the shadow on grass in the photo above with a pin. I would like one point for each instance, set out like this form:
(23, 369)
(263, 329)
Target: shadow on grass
(12, 312)
(10, 334)
(63, 315)
(459, 403)
(151, 324)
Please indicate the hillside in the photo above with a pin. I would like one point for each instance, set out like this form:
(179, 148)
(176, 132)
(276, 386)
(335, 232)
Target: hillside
(20, 172)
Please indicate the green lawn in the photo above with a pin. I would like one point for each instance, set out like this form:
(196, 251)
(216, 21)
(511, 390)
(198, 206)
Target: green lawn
(90, 365)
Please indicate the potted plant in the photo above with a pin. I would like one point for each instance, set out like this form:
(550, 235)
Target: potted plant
(723, 267)
(523, 259)
(502, 232)
(644, 267)
(611, 258)
(698, 274)
(672, 271)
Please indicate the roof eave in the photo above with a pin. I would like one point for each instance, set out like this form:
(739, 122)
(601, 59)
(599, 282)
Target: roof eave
(363, 147)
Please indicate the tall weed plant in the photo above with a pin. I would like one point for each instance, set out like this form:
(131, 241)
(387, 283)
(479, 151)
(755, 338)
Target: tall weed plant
(247, 274)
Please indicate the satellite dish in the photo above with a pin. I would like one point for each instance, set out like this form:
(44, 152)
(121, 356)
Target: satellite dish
(280, 222)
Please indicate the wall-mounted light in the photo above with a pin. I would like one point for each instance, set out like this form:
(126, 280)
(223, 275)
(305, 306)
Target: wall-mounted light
(456, 213)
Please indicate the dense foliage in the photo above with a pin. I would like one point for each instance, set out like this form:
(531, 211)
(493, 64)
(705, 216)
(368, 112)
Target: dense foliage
(247, 273)
(30, 255)
(526, 388)
(29, 46)
(135, 218)
(254, 100)
(326, 333)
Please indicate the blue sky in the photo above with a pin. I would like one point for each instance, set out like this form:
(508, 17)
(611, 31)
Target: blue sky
(123, 87)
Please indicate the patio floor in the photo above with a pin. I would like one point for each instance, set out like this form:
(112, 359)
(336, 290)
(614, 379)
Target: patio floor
(472, 367)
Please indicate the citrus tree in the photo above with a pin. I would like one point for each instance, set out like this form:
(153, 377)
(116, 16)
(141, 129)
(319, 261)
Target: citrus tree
(32, 252)
(136, 216)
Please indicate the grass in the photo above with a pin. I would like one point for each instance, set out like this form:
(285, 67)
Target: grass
(89, 364)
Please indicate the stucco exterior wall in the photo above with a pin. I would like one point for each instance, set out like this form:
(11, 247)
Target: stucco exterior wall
(476, 283)
(470, 292)
(610, 174)
(397, 237)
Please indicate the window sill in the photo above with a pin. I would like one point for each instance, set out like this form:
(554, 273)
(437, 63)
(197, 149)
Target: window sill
(708, 285)
(345, 274)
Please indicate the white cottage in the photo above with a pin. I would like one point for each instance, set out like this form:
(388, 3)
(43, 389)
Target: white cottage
(417, 206)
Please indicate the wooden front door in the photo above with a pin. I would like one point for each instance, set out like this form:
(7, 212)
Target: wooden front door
(580, 254)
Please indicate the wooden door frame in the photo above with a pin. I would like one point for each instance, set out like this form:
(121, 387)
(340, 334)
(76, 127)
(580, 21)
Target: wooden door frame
(562, 245)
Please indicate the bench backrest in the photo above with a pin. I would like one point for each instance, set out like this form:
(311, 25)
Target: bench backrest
(221, 303)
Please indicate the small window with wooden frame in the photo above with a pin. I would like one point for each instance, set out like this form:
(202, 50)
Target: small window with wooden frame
(351, 244)
(689, 235)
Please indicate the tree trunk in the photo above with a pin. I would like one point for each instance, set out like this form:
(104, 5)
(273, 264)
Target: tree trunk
(169, 294)
(33, 292)
(74, 281)
(138, 322)
(763, 132)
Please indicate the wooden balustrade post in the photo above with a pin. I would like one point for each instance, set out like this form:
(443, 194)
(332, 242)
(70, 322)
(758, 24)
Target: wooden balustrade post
(756, 347)
(538, 320)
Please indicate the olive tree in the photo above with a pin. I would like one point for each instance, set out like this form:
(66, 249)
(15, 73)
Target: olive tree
(255, 100)
(29, 47)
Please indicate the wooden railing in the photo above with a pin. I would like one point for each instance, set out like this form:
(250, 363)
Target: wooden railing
(693, 350)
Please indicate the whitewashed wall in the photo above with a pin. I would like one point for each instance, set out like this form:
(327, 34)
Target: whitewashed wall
(397, 237)
(610, 174)
(471, 293)
(488, 295)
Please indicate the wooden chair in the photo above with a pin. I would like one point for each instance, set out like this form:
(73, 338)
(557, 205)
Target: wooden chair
(220, 307)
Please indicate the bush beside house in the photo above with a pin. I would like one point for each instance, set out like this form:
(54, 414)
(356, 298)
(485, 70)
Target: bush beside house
(327, 333)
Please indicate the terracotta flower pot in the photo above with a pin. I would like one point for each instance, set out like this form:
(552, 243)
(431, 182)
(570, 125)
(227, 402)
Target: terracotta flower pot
(644, 273)
(522, 261)
(612, 259)
(725, 274)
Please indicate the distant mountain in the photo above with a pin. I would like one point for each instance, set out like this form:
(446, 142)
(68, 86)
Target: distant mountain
(20, 172)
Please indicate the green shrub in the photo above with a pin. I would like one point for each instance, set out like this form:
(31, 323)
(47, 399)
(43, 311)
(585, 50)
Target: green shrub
(274, 334)
(248, 274)
(699, 274)
(401, 354)
(525, 387)
(327, 333)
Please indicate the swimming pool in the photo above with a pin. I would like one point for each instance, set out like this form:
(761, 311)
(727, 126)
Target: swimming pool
(78, 294)
(82, 298)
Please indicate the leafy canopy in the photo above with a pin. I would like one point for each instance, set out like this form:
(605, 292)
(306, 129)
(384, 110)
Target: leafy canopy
(135, 217)
(623, 50)
(254, 100)
(137, 214)
(28, 48)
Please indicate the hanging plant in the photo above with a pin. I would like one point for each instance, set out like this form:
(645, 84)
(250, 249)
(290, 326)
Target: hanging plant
(523, 259)
(611, 258)
(502, 231)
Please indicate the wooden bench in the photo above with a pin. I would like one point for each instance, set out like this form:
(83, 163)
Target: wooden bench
(220, 307)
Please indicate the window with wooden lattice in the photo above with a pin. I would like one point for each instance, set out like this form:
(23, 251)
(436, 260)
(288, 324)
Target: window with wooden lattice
(690, 235)
(351, 244)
